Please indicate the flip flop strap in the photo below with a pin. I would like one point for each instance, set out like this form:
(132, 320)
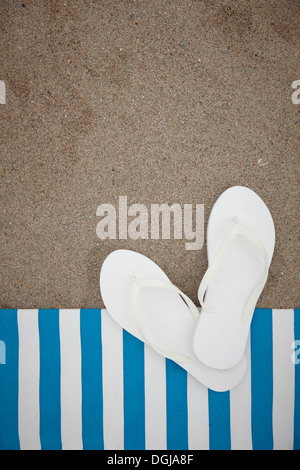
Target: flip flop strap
(236, 230)
(137, 285)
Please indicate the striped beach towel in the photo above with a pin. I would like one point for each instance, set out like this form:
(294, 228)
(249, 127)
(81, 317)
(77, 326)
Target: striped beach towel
(73, 379)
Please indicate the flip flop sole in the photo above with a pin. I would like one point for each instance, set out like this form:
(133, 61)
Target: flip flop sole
(169, 321)
(220, 337)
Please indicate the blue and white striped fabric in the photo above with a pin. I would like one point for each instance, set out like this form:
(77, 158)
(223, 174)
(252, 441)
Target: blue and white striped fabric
(73, 379)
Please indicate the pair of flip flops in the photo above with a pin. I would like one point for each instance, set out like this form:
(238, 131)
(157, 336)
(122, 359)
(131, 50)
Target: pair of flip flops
(210, 343)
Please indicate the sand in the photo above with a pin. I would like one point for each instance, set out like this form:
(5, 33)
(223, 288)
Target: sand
(160, 101)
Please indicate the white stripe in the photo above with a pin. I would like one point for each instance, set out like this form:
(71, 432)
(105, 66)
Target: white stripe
(283, 379)
(198, 420)
(112, 370)
(71, 396)
(29, 376)
(155, 400)
(240, 409)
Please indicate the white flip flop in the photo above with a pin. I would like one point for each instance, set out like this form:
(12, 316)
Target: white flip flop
(240, 245)
(142, 300)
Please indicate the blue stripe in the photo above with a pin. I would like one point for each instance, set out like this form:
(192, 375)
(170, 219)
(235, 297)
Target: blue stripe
(297, 381)
(134, 392)
(177, 410)
(50, 410)
(262, 379)
(92, 391)
(219, 420)
(9, 381)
